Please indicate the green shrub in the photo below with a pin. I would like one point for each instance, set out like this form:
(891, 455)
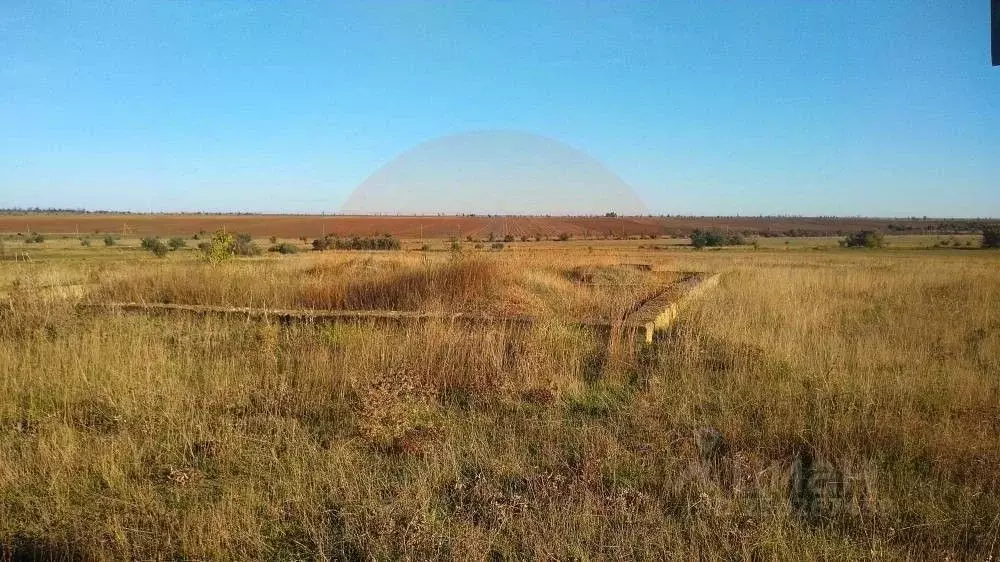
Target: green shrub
(284, 248)
(243, 246)
(863, 239)
(496, 246)
(324, 243)
(160, 249)
(713, 238)
(176, 243)
(331, 242)
(109, 240)
(509, 238)
(155, 245)
(34, 238)
(456, 247)
(85, 242)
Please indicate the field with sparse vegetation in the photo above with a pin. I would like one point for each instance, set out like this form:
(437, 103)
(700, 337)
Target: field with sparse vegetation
(820, 402)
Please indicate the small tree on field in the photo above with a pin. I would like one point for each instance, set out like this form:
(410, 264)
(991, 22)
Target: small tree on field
(220, 248)
(177, 243)
(991, 236)
(109, 240)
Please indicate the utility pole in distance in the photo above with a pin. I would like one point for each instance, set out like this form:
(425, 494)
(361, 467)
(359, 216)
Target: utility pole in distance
(995, 26)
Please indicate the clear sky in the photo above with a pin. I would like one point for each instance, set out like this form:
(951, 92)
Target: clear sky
(883, 108)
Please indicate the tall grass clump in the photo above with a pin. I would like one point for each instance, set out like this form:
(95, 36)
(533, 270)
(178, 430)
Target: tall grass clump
(456, 284)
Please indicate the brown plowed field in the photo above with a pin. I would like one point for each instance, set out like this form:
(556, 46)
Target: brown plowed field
(311, 226)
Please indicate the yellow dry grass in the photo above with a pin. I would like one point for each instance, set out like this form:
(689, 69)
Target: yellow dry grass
(839, 404)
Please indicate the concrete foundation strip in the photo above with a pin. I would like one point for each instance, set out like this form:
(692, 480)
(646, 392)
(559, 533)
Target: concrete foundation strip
(656, 314)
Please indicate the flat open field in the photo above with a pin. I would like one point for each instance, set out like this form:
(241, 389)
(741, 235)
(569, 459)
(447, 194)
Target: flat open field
(444, 227)
(819, 402)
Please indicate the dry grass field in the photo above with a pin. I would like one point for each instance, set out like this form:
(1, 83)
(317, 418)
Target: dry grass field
(819, 403)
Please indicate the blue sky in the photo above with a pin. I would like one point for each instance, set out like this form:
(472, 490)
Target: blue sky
(837, 108)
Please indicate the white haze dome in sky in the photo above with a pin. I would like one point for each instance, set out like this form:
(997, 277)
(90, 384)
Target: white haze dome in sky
(494, 172)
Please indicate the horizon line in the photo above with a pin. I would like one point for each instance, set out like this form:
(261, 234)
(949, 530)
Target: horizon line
(67, 211)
